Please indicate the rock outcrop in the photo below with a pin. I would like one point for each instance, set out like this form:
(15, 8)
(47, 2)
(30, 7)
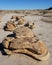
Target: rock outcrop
(24, 41)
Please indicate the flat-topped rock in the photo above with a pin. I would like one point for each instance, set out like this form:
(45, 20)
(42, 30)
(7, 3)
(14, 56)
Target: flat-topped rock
(23, 31)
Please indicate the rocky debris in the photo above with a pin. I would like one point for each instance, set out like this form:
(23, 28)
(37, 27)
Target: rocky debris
(24, 41)
(13, 23)
(17, 21)
(15, 17)
(21, 21)
(30, 24)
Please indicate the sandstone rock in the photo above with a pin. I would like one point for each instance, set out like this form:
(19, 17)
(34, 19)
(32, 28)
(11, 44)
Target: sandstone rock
(21, 21)
(10, 26)
(23, 31)
(16, 17)
(37, 49)
(6, 41)
(24, 41)
(30, 25)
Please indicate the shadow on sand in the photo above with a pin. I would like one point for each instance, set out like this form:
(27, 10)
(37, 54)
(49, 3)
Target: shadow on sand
(11, 35)
(2, 49)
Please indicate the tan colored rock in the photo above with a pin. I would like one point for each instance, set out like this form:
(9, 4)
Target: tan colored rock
(16, 17)
(30, 25)
(24, 41)
(10, 26)
(21, 21)
(23, 31)
(36, 49)
(6, 41)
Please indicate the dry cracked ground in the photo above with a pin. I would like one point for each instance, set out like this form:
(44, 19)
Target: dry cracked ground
(43, 30)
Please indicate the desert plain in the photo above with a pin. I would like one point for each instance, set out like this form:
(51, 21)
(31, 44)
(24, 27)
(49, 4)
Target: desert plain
(43, 30)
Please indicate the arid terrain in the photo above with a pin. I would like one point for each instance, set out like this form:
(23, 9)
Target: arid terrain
(43, 30)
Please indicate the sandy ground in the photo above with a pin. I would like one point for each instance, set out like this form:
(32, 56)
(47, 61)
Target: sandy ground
(43, 30)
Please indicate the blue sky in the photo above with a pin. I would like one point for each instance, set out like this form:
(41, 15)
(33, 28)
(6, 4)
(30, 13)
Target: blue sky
(24, 4)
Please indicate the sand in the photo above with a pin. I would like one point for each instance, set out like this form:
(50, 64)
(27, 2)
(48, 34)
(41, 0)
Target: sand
(43, 30)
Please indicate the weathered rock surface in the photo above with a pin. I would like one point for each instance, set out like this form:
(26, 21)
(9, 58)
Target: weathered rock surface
(26, 42)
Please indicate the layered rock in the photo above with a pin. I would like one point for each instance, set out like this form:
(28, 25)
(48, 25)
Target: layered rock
(24, 41)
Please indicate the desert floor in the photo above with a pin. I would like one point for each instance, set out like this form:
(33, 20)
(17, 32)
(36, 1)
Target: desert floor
(43, 30)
